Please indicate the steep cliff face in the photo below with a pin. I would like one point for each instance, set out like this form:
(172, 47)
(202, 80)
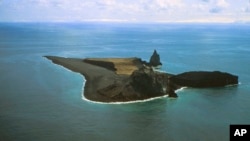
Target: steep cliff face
(201, 79)
(143, 83)
(146, 81)
(155, 59)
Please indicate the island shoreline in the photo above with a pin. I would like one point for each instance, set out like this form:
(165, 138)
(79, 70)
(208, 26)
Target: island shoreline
(131, 80)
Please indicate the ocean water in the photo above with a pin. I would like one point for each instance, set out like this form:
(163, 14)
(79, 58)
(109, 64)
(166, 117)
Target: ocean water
(41, 101)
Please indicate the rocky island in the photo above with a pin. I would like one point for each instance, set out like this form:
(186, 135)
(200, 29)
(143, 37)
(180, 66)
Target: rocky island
(130, 79)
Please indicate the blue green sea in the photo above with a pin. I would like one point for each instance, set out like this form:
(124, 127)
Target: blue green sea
(41, 101)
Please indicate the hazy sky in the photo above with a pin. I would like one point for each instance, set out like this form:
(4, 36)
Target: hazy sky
(126, 10)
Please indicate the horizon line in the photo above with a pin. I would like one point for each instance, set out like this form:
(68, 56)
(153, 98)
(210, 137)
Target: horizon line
(132, 22)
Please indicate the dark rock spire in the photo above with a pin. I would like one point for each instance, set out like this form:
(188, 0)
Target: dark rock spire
(155, 60)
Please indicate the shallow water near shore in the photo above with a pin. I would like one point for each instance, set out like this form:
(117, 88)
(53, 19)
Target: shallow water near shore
(42, 101)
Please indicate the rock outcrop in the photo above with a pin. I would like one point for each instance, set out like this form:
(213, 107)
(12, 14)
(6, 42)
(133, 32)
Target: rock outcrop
(155, 60)
(146, 81)
(143, 83)
(203, 79)
(171, 87)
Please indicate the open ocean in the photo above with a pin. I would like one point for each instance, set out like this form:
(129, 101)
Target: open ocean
(41, 101)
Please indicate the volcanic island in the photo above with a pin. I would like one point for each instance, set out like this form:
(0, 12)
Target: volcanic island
(132, 79)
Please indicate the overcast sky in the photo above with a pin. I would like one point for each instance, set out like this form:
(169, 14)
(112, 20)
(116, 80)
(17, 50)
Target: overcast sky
(126, 10)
